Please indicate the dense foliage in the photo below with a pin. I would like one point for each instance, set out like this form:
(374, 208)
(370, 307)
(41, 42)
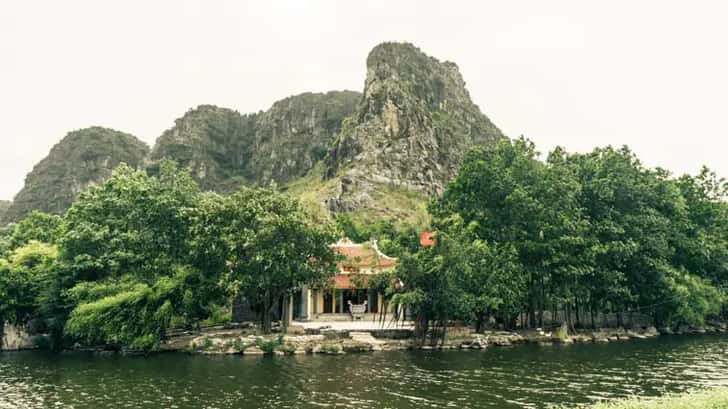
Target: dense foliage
(140, 254)
(264, 246)
(575, 235)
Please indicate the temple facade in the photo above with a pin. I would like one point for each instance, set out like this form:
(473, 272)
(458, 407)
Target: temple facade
(350, 292)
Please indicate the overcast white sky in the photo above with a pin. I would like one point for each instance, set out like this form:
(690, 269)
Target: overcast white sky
(650, 74)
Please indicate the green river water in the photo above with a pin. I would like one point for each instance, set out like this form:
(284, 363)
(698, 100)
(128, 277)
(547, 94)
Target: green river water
(528, 376)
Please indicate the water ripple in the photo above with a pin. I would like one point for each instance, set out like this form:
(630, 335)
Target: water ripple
(520, 377)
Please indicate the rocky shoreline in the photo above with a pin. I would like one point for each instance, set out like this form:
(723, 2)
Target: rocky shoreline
(329, 341)
(245, 340)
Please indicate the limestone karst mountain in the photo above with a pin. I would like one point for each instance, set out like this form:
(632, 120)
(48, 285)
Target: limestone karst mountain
(414, 124)
(225, 149)
(82, 158)
(410, 131)
(380, 153)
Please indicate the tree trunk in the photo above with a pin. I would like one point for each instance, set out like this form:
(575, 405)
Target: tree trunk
(568, 318)
(543, 303)
(287, 318)
(479, 323)
(421, 326)
(576, 305)
(593, 323)
(266, 319)
(267, 314)
(444, 333)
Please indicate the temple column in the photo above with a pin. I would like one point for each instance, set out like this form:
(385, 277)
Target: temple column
(287, 311)
(305, 295)
(315, 301)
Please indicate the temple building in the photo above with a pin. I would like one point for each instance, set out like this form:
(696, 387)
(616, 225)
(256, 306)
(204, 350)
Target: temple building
(351, 290)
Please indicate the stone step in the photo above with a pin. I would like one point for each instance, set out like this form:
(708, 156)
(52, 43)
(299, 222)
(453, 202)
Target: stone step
(364, 337)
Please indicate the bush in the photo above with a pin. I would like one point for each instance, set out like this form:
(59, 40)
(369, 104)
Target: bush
(332, 349)
(562, 332)
(287, 348)
(239, 345)
(269, 346)
(219, 315)
(145, 342)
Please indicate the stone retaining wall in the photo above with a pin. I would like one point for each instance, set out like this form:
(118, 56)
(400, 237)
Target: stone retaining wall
(14, 338)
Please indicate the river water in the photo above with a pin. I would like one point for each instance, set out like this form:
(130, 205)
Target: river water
(528, 376)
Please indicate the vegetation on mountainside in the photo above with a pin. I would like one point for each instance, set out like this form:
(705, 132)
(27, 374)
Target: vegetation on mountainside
(391, 203)
(577, 234)
(226, 150)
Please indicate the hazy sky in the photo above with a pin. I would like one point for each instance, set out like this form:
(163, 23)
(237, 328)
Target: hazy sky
(650, 74)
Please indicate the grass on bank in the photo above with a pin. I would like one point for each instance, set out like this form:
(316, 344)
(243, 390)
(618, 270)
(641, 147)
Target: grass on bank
(406, 207)
(705, 399)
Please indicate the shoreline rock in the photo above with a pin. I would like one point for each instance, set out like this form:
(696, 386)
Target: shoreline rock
(244, 341)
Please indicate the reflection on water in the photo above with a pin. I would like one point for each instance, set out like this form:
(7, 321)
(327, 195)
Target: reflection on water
(523, 376)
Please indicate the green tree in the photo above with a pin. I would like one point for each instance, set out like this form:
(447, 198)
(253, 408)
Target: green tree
(690, 300)
(6, 233)
(493, 284)
(519, 202)
(429, 281)
(131, 224)
(271, 248)
(633, 213)
(37, 226)
(129, 248)
(125, 313)
(25, 281)
(702, 248)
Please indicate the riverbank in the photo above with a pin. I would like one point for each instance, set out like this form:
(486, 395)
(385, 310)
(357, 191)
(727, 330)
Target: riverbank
(706, 399)
(333, 339)
(327, 340)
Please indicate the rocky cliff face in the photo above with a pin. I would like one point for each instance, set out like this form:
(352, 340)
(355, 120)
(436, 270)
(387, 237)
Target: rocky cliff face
(213, 142)
(411, 129)
(82, 158)
(225, 149)
(4, 206)
(13, 338)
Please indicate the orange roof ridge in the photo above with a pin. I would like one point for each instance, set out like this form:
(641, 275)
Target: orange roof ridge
(366, 255)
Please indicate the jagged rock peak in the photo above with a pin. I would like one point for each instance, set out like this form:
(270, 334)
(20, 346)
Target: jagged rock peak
(82, 158)
(411, 129)
(423, 76)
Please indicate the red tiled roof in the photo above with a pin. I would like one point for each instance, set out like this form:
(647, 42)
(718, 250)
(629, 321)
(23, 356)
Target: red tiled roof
(362, 256)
